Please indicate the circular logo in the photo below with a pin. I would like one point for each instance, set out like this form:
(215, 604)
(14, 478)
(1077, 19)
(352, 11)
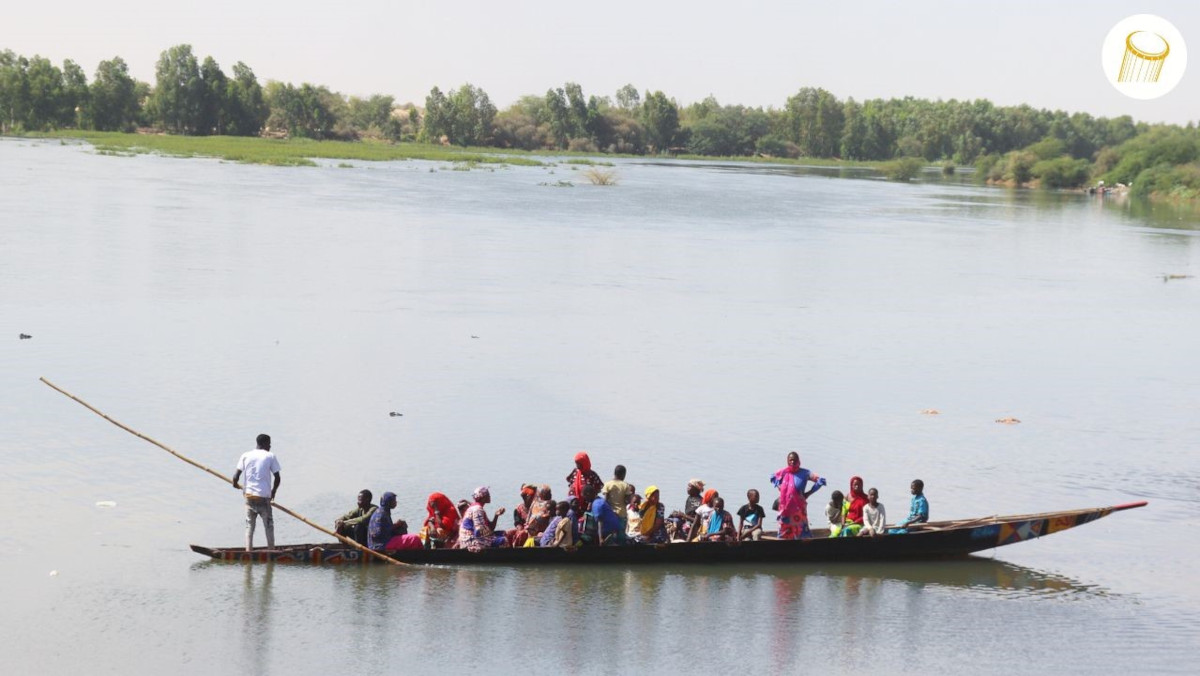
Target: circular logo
(1144, 56)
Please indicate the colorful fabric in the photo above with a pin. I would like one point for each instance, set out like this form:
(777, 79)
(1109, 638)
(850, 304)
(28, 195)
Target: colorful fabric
(607, 519)
(380, 529)
(716, 521)
(793, 506)
(918, 510)
(650, 513)
(856, 499)
(475, 532)
(583, 476)
(406, 541)
(548, 536)
(479, 493)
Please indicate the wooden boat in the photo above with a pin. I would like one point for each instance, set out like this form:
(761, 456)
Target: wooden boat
(934, 540)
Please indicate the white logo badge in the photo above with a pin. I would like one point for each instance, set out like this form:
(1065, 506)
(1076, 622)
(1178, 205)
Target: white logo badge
(1144, 56)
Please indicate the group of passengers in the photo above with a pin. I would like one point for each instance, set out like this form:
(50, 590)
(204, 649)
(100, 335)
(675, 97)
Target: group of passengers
(598, 512)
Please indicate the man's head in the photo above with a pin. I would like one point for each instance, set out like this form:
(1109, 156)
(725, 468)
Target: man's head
(589, 493)
(563, 508)
(619, 472)
(364, 498)
(836, 498)
(264, 442)
(718, 503)
(918, 487)
(752, 496)
(873, 496)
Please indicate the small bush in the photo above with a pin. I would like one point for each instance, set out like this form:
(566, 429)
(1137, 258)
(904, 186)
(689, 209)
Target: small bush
(598, 176)
(902, 168)
(1061, 172)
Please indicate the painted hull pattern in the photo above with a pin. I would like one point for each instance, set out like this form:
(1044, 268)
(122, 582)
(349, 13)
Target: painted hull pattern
(936, 540)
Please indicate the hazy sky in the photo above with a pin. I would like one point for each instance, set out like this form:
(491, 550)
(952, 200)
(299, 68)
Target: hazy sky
(753, 52)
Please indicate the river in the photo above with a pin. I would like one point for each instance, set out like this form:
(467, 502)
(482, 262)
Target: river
(694, 320)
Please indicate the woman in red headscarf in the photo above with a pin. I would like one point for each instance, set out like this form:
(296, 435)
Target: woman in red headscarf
(853, 515)
(582, 476)
(441, 526)
(520, 531)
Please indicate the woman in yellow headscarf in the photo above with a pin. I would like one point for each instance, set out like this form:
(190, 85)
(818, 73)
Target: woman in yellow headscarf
(652, 528)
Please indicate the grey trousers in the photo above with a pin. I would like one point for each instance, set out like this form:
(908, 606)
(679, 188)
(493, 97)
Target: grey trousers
(256, 507)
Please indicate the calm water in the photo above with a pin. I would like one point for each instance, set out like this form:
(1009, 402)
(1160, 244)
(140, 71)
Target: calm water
(690, 321)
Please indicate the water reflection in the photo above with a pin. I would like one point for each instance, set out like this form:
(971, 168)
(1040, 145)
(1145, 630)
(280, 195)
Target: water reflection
(256, 606)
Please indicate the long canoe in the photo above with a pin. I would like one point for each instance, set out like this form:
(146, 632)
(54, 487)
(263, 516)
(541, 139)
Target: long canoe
(934, 540)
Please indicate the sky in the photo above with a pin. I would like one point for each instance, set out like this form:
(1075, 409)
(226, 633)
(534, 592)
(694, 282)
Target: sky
(756, 53)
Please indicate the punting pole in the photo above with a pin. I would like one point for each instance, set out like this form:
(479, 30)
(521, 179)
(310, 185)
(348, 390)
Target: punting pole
(222, 477)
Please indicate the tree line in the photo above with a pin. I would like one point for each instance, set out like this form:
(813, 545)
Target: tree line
(1010, 144)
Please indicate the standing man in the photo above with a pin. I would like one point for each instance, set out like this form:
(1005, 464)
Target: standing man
(617, 492)
(258, 466)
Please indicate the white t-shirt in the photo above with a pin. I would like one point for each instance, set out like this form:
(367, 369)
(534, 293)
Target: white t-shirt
(257, 468)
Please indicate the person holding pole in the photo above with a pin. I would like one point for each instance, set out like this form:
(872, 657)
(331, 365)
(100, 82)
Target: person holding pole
(258, 466)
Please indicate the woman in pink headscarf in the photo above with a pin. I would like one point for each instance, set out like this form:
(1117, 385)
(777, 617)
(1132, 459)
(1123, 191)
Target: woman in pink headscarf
(793, 498)
(852, 517)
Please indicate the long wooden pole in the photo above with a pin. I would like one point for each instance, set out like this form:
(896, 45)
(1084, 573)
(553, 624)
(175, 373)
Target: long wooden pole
(379, 555)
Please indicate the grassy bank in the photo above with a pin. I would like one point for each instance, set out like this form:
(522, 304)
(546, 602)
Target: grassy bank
(287, 152)
(301, 152)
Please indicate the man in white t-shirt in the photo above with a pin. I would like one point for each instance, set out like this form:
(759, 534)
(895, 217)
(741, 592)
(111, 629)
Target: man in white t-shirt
(258, 466)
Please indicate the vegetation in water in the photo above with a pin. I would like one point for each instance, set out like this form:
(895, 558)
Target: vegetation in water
(193, 99)
(599, 176)
(902, 168)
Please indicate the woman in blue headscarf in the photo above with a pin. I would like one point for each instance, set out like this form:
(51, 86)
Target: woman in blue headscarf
(385, 535)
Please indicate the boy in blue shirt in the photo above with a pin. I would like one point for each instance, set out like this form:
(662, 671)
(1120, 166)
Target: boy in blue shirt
(918, 512)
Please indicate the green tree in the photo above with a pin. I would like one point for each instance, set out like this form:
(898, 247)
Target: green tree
(179, 91)
(628, 98)
(660, 117)
(465, 117)
(213, 106)
(307, 111)
(14, 90)
(114, 105)
(76, 97)
(246, 107)
(47, 96)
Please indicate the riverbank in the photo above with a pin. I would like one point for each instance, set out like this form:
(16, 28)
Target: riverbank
(302, 152)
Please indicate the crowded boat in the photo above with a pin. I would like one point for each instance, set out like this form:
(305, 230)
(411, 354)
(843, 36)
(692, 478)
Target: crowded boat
(595, 513)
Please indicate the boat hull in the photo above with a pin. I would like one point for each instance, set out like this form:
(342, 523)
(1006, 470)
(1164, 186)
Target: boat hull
(939, 540)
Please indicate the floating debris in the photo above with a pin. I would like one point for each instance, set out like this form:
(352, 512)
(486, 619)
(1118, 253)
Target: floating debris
(1007, 421)
(1167, 278)
(25, 336)
(474, 336)
(105, 504)
(930, 411)
(54, 573)
(395, 415)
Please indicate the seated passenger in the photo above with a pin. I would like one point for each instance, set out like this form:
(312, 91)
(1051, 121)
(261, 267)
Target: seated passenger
(383, 534)
(560, 532)
(632, 518)
(540, 512)
(680, 522)
(477, 531)
(835, 511)
(697, 527)
(751, 517)
(918, 511)
(718, 525)
(609, 529)
(852, 515)
(874, 516)
(519, 534)
(441, 526)
(651, 523)
(354, 524)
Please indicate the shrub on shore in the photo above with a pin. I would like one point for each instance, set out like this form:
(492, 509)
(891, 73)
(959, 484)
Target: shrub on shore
(902, 168)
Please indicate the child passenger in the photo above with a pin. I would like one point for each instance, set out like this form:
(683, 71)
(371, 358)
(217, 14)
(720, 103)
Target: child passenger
(718, 526)
(874, 516)
(750, 517)
(834, 513)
